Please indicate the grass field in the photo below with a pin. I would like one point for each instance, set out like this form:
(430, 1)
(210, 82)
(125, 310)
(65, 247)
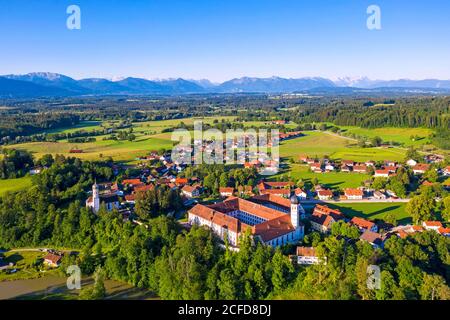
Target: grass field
(149, 137)
(23, 262)
(319, 144)
(333, 180)
(11, 185)
(401, 135)
(374, 211)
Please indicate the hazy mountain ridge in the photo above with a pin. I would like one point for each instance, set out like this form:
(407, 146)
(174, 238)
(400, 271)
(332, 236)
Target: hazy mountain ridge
(54, 84)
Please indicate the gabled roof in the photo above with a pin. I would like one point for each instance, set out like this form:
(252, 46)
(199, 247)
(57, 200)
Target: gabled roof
(306, 252)
(372, 237)
(53, 258)
(362, 223)
(353, 192)
(226, 190)
(421, 167)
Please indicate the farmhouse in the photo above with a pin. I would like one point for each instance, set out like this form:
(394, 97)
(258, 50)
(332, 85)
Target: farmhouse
(270, 219)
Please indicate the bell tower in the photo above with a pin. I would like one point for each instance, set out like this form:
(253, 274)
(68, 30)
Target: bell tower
(95, 197)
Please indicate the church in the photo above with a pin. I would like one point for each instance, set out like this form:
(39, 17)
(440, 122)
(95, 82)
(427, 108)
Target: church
(111, 200)
(272, 220)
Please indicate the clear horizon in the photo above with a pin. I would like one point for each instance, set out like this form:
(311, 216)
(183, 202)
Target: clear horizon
(221, 40)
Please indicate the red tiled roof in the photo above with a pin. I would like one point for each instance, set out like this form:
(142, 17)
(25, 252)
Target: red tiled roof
(144, 187)
(433, 224)
(181, 181)
(421, 167)
(276, 191)
(372, 237)
(353, 192)
(226, 190)
(53, 258)
(132, 181)
(360, 168)
(189, 189)
(306, 252)
(382, 171)
(325, 192)
(274, 228)
(362, 223)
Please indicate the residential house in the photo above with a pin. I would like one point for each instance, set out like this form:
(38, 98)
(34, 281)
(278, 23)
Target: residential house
(307, 256)
(323, 218)
(348, 163)
(379, 195)
(190, 191)
(301, 194)
(447, 171)
(316, 167)
(370, 163)
(226, 192)
(282, 189)
(382, 173)
(360, 168)
(374, 238)
(432, 225)
(364, 224)
(354, 194)
(420, 168)
(325, 194)
(52, 260)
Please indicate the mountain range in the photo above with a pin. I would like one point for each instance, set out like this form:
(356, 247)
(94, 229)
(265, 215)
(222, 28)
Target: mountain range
(45, 84)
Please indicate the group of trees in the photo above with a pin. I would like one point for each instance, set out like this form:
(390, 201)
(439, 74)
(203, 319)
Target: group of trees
(158, 201)
(15, 123)
(217, 175)
(15, 163)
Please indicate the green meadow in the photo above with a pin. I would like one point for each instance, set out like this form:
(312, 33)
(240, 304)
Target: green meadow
(333, 180)
(400, 135)
(374, 211)
(319, 144)
(12, 185)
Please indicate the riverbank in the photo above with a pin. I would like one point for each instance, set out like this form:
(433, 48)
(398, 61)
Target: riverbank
(54, 288)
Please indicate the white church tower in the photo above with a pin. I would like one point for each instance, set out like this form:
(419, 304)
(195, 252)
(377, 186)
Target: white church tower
(297, 211)
(95, 198)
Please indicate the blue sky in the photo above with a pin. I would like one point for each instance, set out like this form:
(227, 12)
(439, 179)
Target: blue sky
(223, 39)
